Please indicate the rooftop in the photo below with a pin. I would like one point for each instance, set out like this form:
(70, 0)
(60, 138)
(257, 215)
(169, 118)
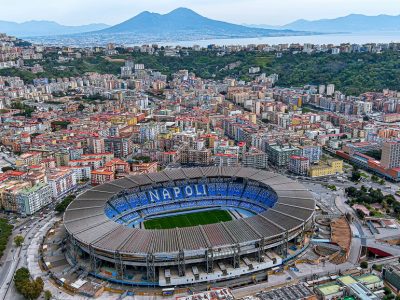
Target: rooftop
(347, 280)
(369, 279)
(33, 189)
(329, 289)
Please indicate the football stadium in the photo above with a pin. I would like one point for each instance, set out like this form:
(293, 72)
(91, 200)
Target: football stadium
(188, 226)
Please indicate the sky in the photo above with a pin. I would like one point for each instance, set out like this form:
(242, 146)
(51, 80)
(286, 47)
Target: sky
(271, 12)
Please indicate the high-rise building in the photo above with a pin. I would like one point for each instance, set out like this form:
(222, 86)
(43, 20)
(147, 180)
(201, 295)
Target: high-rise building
(255, 159)
(312, 152)
(279, 155)
(201, 157)
(330, 89)
(391, 275)
(9, 194)
(391, 155)
(34, 198)
(96, 145)
(226, 160)
(299, 165)
(62, 181)
(126, 72)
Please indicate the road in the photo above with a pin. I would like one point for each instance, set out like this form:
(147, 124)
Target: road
(16, 258)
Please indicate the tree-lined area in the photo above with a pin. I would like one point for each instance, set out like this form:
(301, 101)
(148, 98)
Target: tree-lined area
(27, 287)
(5, 233)
(352, 73)
(369, 196)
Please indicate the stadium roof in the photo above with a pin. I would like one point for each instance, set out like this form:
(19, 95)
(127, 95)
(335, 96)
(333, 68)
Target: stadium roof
(85, 218)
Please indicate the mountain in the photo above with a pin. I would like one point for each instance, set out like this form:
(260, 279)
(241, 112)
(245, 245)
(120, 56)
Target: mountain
(183, 21)
(350, 23)
(45, 28)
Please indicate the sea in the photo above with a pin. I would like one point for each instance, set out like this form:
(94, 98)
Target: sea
(132, 40)
(336, 39)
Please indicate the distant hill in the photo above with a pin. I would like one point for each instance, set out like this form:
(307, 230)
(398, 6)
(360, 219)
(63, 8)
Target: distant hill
(189, 23)
(45, 28)
(350, 23)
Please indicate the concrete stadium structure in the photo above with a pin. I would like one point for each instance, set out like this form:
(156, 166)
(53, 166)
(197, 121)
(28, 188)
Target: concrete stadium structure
(106, 237)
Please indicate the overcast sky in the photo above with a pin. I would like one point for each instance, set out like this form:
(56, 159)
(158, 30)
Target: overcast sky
(273, 12)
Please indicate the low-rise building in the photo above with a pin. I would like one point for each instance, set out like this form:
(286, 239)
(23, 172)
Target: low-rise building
(371, 281)
(329, 291)
(28, 159)
(331, 167)
(145, 168)
(102, 176)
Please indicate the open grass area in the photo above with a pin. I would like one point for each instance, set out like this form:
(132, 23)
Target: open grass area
(189, 219)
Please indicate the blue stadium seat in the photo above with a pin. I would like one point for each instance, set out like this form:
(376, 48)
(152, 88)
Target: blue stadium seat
(143, 198)
(235, 189)
(120, 204)
(133, 200)
(219, 202)
(221, 189)
(130, 217)
(232, 203)
(212, 191)
(109, 211)
(251, 192)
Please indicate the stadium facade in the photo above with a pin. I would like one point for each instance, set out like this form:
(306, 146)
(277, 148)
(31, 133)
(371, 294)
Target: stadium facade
(106, 236)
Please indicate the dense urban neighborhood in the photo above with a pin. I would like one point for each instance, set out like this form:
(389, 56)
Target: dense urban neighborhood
(124, 136)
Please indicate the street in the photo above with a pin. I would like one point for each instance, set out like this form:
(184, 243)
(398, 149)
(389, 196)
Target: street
(15, 258)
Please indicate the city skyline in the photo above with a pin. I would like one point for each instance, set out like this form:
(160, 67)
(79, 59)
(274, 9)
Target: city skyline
(236, 11)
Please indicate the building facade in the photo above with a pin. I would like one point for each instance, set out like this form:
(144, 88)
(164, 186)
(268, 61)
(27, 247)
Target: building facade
(299, 165)
(391, 155)
(34, 198)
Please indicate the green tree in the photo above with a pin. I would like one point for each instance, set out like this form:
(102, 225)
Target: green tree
(377, 267)
(374, 178)
(18, 240)
(30, 289)
(5, 233)
(5, 169)
(387, 290)
(355, 175)
(351, 191)
(62, 206)
(364, 265)
(47, 295)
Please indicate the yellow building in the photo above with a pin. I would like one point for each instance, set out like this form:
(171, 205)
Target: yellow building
(8, 194)
(29, 159)
(331, 167)
(253, 118)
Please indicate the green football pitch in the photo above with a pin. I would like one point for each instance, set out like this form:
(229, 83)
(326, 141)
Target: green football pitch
(189, 219)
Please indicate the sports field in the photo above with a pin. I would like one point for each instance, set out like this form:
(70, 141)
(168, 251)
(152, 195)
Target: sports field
(189, 219)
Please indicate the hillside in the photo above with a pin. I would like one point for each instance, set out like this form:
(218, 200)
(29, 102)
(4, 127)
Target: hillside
(350, 23)
(45, 28)
(187, 22)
